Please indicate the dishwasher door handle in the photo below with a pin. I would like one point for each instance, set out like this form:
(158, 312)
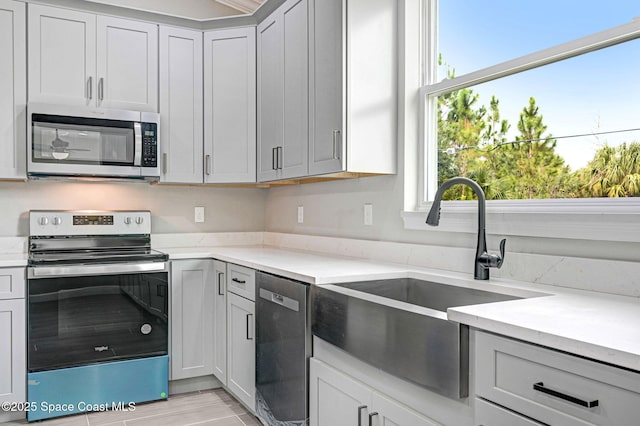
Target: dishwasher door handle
(279, 299)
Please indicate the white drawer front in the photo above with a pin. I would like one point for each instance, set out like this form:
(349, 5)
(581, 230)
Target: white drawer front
(488, 414)
(540, 384)
(241, 281)
(12, 283)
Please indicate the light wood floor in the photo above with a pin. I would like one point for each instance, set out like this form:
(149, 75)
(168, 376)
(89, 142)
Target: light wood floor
(205, 408)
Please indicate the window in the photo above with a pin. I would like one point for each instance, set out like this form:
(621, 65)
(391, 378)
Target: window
(533, 100)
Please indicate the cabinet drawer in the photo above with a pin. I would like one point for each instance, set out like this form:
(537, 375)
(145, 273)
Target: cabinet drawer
(11, 283)
(241, 281)
(488, 414)
(553, 387)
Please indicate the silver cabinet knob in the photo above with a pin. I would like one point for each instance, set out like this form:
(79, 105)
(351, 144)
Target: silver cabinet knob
(43, 221)
(127, 220)
(56, 220)
(139, 220)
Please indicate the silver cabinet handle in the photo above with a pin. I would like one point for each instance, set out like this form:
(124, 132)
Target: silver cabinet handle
(90, 87)
(101, 89)
(280, 150)
(249, 336)
(220, 278)
(274, 165)
(207, 164)
(360, 408)
(336, 143)
(371, 416)
(165, 163)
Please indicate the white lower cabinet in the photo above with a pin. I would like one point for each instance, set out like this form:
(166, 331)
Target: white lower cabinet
(192, 318)
(241, 349)
(336, 399)
(220, 322)
(13, 369)
(488, 414)
(550, 387)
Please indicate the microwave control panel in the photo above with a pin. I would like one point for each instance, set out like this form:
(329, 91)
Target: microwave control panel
(149, 145)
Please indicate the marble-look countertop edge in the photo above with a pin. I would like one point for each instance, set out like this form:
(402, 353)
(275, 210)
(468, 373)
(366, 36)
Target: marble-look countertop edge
(500, 318)
(13, 260)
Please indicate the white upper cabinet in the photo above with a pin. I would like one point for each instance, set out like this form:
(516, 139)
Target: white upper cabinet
(283, 87)
(181, 105)
(230, 105)
(62, 56)
(270, 97)
(127, 71)
(78, 58)
(353, 47)
(326, 131)
(13, 90)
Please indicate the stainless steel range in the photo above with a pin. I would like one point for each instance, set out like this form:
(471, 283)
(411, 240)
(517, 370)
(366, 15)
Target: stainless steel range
(97, 312)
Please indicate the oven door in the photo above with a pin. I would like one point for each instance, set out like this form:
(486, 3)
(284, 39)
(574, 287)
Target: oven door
(79, 315)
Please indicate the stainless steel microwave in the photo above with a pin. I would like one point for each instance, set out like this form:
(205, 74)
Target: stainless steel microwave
(72, 141)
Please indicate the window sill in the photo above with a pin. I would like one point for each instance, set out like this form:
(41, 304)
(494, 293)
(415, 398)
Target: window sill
(584, 219)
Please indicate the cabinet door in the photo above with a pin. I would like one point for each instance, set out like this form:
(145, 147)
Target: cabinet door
(388, 412)
(327, 52)
(488, 414)
(192, 305)
(13, 86)
(230, 105)
(296, 89)
(127, 53)
(220, 322)
(270, 97)
(335, 399)
(62, 56)
(241, 377)
(181, 105)
(12, 355)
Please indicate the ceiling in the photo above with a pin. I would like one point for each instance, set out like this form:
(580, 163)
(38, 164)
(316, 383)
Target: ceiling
(244, 6)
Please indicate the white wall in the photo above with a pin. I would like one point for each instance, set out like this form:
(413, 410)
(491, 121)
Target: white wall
(336, 209)
(226, 209)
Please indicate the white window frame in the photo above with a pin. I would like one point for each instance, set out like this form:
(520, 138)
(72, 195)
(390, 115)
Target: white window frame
(557, 218)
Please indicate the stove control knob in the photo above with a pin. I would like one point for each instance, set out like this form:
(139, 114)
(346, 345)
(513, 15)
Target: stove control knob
(56, 220)
(127, 220)
(139, 220)
(43, 221)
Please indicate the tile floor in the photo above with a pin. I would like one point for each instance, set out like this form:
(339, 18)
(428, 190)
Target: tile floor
(213, 407)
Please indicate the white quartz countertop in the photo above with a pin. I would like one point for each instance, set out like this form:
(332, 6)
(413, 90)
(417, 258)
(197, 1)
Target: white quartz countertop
(594, 325)
(13, 260)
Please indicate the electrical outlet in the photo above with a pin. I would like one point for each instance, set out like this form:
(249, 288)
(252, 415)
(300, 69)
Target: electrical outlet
(368, 214)
(199, 214)
(300, 214)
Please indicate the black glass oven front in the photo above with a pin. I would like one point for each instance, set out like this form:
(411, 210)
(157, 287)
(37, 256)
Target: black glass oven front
(82, 320)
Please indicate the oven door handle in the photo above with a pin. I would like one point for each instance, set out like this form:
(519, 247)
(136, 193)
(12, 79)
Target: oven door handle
(82, 270)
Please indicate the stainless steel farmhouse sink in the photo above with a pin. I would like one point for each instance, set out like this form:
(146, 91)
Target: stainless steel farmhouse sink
(416, 344)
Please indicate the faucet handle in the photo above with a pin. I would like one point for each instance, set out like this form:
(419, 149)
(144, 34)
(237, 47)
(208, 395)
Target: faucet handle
(501, 258)
(488, 260)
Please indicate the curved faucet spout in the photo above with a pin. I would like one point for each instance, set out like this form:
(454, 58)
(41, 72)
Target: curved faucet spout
(483, 259)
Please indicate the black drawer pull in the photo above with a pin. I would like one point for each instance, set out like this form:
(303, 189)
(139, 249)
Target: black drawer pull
(589, 404)
(239, 281)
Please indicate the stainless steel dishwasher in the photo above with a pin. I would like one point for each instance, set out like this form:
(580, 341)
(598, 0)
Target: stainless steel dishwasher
(283, 348)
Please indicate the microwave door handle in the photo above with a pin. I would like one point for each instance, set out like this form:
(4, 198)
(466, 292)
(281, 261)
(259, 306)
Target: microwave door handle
(137, 153)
